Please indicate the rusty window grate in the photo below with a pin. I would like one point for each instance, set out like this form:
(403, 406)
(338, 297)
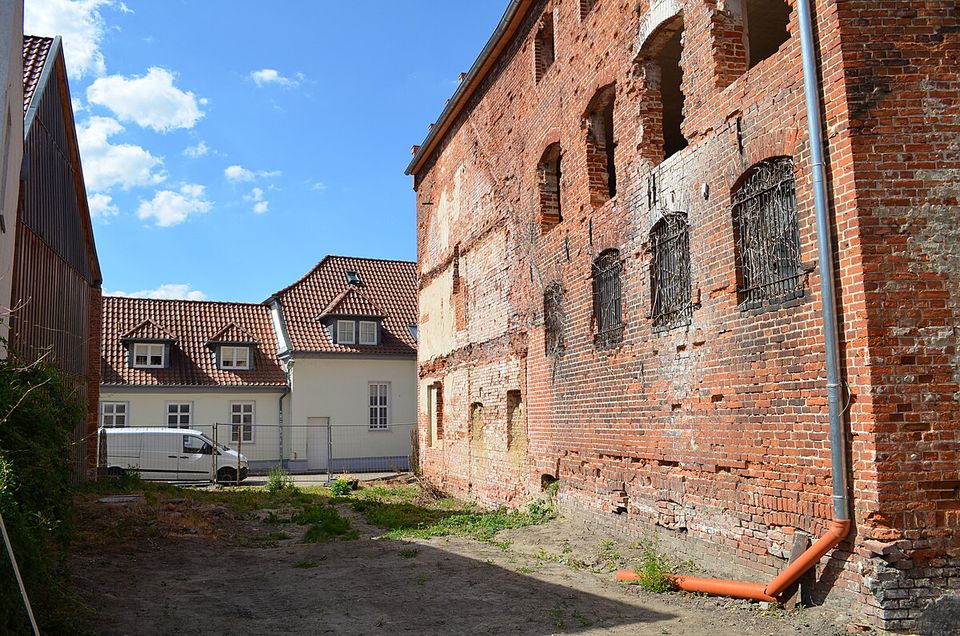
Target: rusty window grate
(553, 320)
(606, 298)
(670, 302)
(767, 235)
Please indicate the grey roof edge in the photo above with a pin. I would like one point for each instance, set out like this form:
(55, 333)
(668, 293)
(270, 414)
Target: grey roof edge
(48, 65)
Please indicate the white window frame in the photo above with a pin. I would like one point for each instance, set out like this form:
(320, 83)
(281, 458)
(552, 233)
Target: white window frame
(229, 358)
(150, 349)
(237, 409)
(353, 332)
(113, 414)
(368, 323)
(376, 411)
(179, 413)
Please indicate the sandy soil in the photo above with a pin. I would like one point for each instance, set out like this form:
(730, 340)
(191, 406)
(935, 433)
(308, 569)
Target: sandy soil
(190, 576)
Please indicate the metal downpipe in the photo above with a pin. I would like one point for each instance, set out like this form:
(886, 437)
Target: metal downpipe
(840, 525)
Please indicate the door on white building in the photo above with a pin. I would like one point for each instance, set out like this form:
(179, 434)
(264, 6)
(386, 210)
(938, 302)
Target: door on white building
(317, 446)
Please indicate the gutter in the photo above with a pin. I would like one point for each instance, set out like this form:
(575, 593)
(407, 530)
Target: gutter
(840, 525)
(509, 23)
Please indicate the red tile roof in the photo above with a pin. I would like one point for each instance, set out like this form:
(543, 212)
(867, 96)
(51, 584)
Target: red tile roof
(191, 323)
(35, 51)
(233, 333)
(387, 288)
(148, 330)
(351, 302)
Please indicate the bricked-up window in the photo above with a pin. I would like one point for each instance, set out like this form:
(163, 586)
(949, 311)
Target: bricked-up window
(553, 319)
(601, 146)
(765, 24)
(543, 46)
(586, 6)
(767, 234)
(548, 175)
(606, 298)
(670, 304)
(516, 432)
(435, 411)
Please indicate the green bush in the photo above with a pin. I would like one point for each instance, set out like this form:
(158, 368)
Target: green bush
(37, 415)
(341, 488)
(279, 480)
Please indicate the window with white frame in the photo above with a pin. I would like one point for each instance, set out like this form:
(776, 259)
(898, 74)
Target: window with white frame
(346, 332)
(179, 414)
(234, 357)
(149, 355)
(113, 414)
(379, 405)
(241, 419)
(368, 332)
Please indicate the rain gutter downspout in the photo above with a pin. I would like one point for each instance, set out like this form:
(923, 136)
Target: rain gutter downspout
(840, 525)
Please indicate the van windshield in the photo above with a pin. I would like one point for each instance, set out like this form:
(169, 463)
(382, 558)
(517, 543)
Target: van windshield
(214, 444)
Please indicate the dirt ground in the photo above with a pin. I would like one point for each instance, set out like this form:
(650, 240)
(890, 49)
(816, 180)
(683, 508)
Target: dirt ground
(192, 568)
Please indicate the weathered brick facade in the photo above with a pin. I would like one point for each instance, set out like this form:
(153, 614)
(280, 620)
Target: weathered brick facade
(715, 430)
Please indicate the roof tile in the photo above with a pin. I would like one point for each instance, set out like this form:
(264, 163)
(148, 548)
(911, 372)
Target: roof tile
(35, 51)
(389, 290)
(191, 323)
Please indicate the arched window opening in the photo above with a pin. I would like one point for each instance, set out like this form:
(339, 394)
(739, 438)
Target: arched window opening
(548, 174)
(543, 50)
(670, 288)
(767, 234)
(606, 299)
(601, 146)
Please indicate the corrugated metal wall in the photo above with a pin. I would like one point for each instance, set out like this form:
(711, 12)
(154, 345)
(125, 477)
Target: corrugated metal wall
(53, 285)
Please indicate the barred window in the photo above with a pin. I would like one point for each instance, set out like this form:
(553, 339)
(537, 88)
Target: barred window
(553, 319)
(670, 304)
(767, 234)
(606, 298)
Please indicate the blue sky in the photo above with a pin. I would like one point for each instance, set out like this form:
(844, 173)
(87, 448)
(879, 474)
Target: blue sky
(228, 145)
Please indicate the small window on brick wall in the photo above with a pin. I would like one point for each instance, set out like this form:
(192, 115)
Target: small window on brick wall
(765, 26)
(670, 304)
(601, 146)
(586, 6)
(606, 299)
(435, 411)
(543, 50)
(548, 176)
(553, 319)
(671, 95)
(767, 234)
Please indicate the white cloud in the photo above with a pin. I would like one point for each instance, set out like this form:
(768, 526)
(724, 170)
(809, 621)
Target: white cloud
(170, 207)
(239, 174)
(80, 24)
(169, 291)
(260, 205)
(152, 101)
(317, 186)
(106, 165)
(268, 76)
(197, 151)
(102, 206)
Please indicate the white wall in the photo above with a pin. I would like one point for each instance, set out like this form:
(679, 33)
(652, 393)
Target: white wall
(208, 409)
(11, 143)
(338, 388)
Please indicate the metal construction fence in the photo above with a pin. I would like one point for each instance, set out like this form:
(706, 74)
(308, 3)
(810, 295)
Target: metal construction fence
(203, 452)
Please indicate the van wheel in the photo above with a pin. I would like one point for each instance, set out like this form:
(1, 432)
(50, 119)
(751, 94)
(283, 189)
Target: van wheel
(227, 475)
(116, 471)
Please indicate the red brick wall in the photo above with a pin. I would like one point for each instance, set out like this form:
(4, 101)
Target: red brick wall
(717, 430)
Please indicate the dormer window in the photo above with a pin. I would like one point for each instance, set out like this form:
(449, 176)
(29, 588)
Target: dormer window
(346, 332)
(368, 332)
(149, 355)
(353, 278)
(234, 358)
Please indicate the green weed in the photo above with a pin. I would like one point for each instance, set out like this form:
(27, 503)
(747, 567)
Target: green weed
(305, 564)
(325, 525)
(409, 553)
(279, 480)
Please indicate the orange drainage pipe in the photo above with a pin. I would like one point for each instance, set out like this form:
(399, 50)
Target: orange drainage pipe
(756, 591)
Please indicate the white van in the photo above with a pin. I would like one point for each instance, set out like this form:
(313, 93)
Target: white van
(170, 454)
